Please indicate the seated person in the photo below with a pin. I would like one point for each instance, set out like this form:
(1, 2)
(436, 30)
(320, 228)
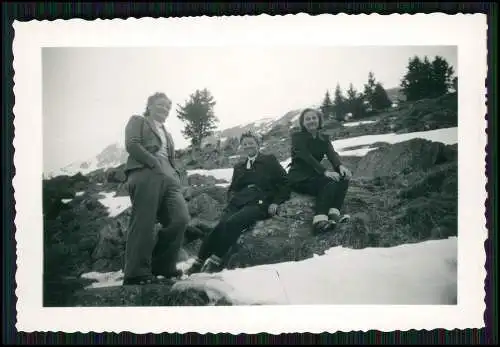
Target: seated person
(307, 176)
(258, 186)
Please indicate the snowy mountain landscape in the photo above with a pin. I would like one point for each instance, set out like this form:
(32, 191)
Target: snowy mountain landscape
(400, 248)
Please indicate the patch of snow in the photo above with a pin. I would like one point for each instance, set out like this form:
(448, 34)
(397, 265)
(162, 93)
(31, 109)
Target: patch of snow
(354, 124)
(185, 265)
(223, 185)
(263, 121)
(115, 278)
(115, 204)
(234, 156)
(65, 201)
(447, 136)
(104, 279)
(422, 273)
(79, 193)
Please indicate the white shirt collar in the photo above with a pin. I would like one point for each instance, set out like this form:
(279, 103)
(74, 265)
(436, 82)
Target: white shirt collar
(158, 124)
(250, 160)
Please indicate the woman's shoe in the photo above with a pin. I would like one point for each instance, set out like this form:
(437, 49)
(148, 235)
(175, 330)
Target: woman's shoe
(335, 216)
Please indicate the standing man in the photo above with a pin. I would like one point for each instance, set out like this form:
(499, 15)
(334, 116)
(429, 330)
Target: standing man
(156, 194)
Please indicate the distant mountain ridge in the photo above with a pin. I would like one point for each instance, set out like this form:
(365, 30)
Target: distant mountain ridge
(115, 155)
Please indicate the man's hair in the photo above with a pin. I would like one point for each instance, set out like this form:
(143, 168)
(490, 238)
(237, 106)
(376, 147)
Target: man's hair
(252, 135)
(153, 98)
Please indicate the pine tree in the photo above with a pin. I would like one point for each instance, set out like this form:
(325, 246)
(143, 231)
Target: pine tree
(327, 106)
(370, 86)
(379, 99)
(441, 77)
(355, 102)
(454, 84)
(424, 79)
(198, 117)
(339, 103)
(412, 79)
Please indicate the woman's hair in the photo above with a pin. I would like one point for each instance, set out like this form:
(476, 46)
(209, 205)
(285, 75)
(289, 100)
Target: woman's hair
(252, 135)
(153, 98)
(318, 113)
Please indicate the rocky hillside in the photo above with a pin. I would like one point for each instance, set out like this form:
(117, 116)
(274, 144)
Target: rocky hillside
(422, 115)
(401, 193)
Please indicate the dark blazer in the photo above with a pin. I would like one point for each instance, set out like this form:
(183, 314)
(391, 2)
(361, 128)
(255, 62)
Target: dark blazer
(307, 153)
(142, 140)
(267, 176)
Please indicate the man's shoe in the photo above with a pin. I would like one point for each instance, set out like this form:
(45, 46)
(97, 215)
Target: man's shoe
(141, 280)
(213, 264)
(168, 274)
(195, 268)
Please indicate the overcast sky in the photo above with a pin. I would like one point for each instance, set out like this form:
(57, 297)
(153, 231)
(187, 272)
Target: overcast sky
(89, 93)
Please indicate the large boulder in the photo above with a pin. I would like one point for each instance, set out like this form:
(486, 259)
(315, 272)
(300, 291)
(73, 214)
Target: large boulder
(412, 155)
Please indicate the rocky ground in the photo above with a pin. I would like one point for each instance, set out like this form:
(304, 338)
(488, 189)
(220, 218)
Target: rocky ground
(401, 193)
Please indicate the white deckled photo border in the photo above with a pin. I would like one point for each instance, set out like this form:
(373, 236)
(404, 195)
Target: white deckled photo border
(467, 32)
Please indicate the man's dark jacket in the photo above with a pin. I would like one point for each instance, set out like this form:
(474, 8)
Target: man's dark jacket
(264, 184)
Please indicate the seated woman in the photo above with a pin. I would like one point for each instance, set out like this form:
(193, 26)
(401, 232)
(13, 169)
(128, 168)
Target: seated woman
(307, 176)
(258, 186)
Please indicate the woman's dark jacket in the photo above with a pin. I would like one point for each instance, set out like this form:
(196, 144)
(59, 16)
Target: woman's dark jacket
(307, 153)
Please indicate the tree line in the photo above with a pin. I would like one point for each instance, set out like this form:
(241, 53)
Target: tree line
(423, 79)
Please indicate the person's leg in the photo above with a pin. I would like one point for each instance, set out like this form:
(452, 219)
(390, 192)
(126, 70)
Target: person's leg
(211, 240)
(338, 191)
(315, 186)
(230, 230)
(174, 217)
(144, 191)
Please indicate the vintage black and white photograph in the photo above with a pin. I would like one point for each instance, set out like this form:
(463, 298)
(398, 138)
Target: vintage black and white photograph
(252, 175)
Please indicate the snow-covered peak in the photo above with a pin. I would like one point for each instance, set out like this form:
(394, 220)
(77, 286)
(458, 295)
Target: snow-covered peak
(111, 156)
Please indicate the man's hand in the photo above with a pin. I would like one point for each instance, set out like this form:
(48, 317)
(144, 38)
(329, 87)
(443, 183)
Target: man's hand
(344, 172)
(272, 209)
(333, 175)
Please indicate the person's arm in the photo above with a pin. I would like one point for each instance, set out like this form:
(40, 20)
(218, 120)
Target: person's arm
(133, 137)
(332, 155)
(280, 181)
(299, 149)
(233, 184)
